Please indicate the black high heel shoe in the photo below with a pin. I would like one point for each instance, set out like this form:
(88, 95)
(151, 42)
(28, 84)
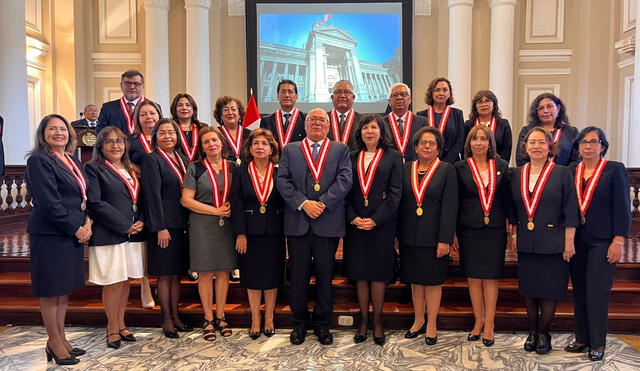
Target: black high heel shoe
(575, 348)
(414, 334)
(77, 352)
(488, 342)
(430, 340)
(71, 360)
(128, 337)
(269, 332)
(114, 344)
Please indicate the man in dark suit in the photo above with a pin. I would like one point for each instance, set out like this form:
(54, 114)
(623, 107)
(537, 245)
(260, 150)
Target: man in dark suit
(280, 121)
(314, 219)
(343, 117)
(119, 112)
(401, 119)
(90, 119)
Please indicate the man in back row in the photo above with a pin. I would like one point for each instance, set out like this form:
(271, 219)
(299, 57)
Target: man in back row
(287, 123)
(344, 119)
(119, 112)
(89, 117)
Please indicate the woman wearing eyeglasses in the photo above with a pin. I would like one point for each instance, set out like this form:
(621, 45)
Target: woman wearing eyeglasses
(602, 188)
(485, 111)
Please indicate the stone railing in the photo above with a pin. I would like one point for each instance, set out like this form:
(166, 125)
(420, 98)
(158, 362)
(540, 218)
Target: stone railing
(15, 203)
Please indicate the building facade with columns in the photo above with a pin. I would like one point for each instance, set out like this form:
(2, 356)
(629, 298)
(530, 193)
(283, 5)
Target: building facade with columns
(65, 54)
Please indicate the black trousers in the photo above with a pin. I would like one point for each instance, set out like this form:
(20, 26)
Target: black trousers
(592, 278)
(321, 252)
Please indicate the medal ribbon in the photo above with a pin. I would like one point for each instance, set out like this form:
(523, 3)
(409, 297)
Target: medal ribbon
(492, 124)
(365, 176)
(407, 120)
(218, 199)
(283, 137)
(348, 124)
(531, 204)
(420, 188)
(129, 115)
(235, 144)
(133, 186)
(173, 165)
(145, 143)
(556, 135)
(189, 150)
(316, 167)
(261, 192)
(585, 196)
(77, 174)
(486, 193)
(442, 125)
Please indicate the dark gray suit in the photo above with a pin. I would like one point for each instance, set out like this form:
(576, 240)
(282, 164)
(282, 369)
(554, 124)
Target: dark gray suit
(313, 238)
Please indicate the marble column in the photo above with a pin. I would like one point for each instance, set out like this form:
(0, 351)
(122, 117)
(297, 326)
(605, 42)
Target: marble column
(156, 49)
(501, 57)
(14, 101)
(460, 27)
(634, 128)
(197, 56)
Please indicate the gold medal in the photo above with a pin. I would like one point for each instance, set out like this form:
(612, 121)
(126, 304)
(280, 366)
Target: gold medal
(238, 161)
(263, 209)
(83, 205)
(486, 220)
(134, 207)
(583, 220)
(530, 225)
(419, 211)
(316, 187)
(221, 222)
(366, 202)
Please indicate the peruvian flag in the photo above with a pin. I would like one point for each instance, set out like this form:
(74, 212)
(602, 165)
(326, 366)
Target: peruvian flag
(252, 115)
(326, 18)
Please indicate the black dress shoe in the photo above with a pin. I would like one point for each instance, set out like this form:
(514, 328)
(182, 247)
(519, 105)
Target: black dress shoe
(530, 343)
(544, 343)
(184, 328)
(128, 337)
(431, 341)
(575, 348)
(414, 334)
(77, 352)
(171, 334)
(254, 335)
(324, 336)
(595, 355)
(269, 333)
(472, 337)
(297, 335)
(113, 344)
(488, 342)
(71, 360)
(360, 338)
(379, 340)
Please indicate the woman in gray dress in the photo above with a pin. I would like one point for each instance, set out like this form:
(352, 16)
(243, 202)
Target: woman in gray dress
(211, 242)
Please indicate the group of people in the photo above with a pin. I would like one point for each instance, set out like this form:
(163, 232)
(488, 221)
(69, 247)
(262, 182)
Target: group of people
(165, 195)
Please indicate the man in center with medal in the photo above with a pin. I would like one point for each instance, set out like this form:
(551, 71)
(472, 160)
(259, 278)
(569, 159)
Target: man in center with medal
(314, 179)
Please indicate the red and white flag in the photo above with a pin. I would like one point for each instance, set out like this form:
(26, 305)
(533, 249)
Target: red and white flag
(252, 115)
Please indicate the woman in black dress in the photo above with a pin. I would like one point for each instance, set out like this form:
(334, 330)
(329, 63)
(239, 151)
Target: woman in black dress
(449, 120)
(550, 113)
(58, 228)
(162, 175)
(184, 111)
(116, 249)
(371, 216)
(229, 113)
(257, 210)
(483, 185)
(544, 216)
(605, 215)
(426, 226)
(485, 111)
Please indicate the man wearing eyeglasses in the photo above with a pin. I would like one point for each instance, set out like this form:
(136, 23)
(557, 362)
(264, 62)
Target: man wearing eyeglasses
(119, 112)
(343, 118)
(287, 123)
(401, 122)
(314, 178)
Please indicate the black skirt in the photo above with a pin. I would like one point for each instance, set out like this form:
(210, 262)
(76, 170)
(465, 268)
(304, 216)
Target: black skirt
(482, 252)
(172, 260)
(543, 276)
(262, 266)
(57, 265)
(419, 265)
(369, 255)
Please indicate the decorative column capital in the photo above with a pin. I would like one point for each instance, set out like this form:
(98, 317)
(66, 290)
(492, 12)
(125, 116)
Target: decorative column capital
(495, 3)
(204, 4)
(454, 3)
(159, 4)
(626, 45)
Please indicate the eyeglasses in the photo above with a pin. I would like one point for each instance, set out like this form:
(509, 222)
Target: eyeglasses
(132, 83)
(400, 95)
(314, 119)
(111, 142)
(343, 92)
(427, 143)
(167, 133)
(591, 142)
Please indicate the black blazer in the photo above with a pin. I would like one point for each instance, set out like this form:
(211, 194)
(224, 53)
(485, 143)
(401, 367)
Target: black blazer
(136, 150)
(351, 143)
(418, 123)
(566, 153)
(502, 136)
(82, 123)
(162, 191)
(111, 115)
(558, 209)
(470, 213)
(298, 134)
(385, 193)
(454, 136)
(110, 205)
(440, 204)
(55, 196)
(609, 213)
(245, 208)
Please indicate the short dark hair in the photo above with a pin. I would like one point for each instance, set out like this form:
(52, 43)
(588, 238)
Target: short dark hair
(223, 101)
(384, 135)
(287, 81)
(216, 131)
(562, 118)
(473, 115)
(429, 129)
(132, 73)
(491, 153)
(156, 127)
(174, 109)
(583, 133)
(275, 148)
(553, 147)
(428, 98)
(98, 157)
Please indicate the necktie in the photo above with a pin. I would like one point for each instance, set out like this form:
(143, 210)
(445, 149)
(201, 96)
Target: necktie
(400, 126)
(131, 107)
(341, 122)
(314, 151)
(286, 120)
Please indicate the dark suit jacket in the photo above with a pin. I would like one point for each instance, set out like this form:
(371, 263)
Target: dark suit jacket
(245, 208)
(609, 213)
(418, 123)
(470, 213)
(110, 205)
(1, 147)
(385, 192)
(558, 209)
(82, 123)
(162, 191)
(111, 115)
(295, 184)
(502, 136)
(440, 204)
(136, 150)
(55, 195)
(453, 136)
(298, 134)
(566, 153)
(351, 143)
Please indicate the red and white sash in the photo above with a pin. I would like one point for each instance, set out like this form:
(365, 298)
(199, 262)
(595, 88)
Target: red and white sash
(316, 167)
(133, 186)
(531, 203)
(189, 150)
(262, 192)
(283, 137)
(145, 143)
(586, 195)
(128, 115)
(492, 125)
(77, 174)
(407, 119)
(420, 188)
(366, 175)
(442, 125)
(486, 192)
(218, 199)
(235, 144)
(174, 167)
(348, 125)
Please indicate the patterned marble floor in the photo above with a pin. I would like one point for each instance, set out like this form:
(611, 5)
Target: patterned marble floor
(21, 348)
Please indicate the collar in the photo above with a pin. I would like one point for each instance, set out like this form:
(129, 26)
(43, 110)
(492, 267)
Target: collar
(135, 101)
(346, 113)
(310, 142)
